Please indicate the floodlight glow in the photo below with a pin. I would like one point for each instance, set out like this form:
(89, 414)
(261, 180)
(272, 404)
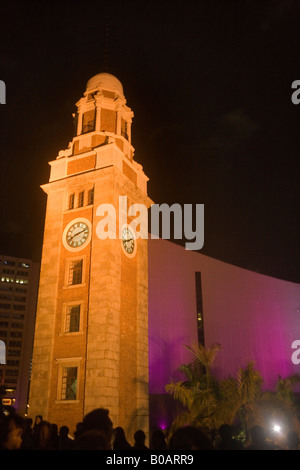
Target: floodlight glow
(276, 428)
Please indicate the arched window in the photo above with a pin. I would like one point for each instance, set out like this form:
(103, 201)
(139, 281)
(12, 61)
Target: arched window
(2, 352)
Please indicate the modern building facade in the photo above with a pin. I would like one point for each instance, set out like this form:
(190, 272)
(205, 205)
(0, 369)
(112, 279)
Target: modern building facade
(18, 297)
(195, 298)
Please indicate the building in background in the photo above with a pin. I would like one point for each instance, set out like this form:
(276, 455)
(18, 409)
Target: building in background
(18, 297)
(195, 298)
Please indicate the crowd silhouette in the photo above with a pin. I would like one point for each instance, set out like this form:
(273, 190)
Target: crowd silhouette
(96, 432)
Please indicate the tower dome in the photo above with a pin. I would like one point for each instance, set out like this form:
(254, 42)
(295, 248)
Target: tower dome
(106, 81)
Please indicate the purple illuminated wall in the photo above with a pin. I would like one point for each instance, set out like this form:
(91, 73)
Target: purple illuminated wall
(253, 316)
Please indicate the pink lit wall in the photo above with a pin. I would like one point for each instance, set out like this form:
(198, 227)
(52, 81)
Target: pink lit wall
(253, 316)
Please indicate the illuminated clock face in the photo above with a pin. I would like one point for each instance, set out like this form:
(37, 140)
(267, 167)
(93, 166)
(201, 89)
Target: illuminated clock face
(128, 241)
(77, 234)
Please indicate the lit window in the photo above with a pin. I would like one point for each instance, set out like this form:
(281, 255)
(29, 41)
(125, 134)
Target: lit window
(21, 281)
(75, 272)
(24, 265)
(69, 383)
(7, 279)
(72, 318)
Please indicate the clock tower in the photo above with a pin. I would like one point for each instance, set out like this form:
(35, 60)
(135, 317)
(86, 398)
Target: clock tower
(91, 334)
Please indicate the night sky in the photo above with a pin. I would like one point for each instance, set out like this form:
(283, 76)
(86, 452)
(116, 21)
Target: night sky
(210, 86)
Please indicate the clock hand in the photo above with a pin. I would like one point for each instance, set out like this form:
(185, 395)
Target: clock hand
(78, 233)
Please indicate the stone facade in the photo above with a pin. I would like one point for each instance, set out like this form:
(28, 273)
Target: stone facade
(108, 352)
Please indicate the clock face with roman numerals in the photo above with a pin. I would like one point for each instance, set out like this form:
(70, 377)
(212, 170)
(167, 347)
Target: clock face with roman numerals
(128, 241)
(77, 234)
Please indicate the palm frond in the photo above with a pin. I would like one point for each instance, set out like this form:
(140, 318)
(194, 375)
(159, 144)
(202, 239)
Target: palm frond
(205, 356)
(180, 392)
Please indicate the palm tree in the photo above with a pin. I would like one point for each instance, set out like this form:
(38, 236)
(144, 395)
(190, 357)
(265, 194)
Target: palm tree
(200, 393)
(279, 405)
(241, 393)
(211, 402)
(284, 388)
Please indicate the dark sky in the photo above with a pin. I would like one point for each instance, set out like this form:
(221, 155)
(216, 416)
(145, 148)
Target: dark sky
(210, 85)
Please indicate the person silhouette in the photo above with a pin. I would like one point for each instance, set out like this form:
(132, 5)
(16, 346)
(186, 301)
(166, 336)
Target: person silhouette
(258, 439)
(11, 432)
(54, 436)
(190, 438)
(43, 437)
(120, 441)
(27, 443)
(158, 440)
(99, 422)
(226, 440)
(64, 441)
(139, 440)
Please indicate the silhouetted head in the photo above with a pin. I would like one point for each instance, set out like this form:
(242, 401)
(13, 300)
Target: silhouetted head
(29, 422)
(158, 440)
(99, 420)
(11, 432)
(119, 434)
(140, 437)
(64, 431)
(38, 419)
(225, 431)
